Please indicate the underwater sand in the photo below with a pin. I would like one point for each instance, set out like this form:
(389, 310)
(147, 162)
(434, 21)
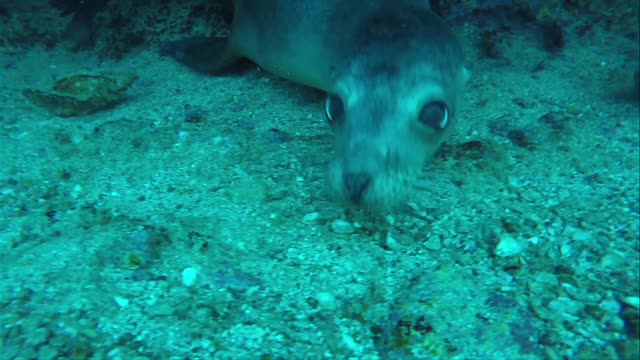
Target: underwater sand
(101, 214)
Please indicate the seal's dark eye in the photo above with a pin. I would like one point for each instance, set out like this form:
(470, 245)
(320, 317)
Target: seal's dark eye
(334, 108)
(435, 115)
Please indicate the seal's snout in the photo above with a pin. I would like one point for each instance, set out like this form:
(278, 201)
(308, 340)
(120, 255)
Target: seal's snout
(360, 164)
(356, 184)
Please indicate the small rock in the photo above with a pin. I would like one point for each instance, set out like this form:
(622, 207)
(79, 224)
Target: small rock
(391, 242)
(614, 323)
(114, 353)
(39, 337)
(433, 243)
(390, 219)
(161, 309)
(611, 306)
(612, 260)
(47, 353)
(342, 227)
(566, 250)
(350, 343)
(82, 94)
(582, 295)
(326, 300)
(189, 276)
(564, 304)
(122, 302)
(311, 217)
(631, 301)
(510, 246)
(581, 235)
(546, 279)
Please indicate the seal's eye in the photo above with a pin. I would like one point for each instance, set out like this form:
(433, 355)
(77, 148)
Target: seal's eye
(334, 108)
(435, 115)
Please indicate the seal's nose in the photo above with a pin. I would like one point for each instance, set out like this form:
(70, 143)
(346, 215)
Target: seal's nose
(357, 184)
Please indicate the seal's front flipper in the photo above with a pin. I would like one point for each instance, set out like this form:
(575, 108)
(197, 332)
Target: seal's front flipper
(204, 54)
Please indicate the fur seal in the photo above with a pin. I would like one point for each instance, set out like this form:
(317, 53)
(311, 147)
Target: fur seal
(393, 71)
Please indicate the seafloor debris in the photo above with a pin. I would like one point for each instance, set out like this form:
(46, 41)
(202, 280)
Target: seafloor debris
(82, 94)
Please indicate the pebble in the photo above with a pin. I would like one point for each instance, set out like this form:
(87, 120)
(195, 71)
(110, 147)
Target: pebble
(47, 353)
(122, 302)
(161, 309)
(612, 260)
(510, 246)
(563, 304)
(581, 295)
(546, 280)
(433, 243)
(189, 276)
(342, 227)
(39, 336)
(581, 235)
(326, 300)
(311, 217)
(349, 342)
(566, 250)
(611, 306)
(391, 242)
(631, 301)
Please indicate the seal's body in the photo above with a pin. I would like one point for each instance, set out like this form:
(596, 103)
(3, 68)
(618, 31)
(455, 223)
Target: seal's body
(392, 69)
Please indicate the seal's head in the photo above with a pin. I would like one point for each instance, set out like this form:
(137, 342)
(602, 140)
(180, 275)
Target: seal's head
(393, 104)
